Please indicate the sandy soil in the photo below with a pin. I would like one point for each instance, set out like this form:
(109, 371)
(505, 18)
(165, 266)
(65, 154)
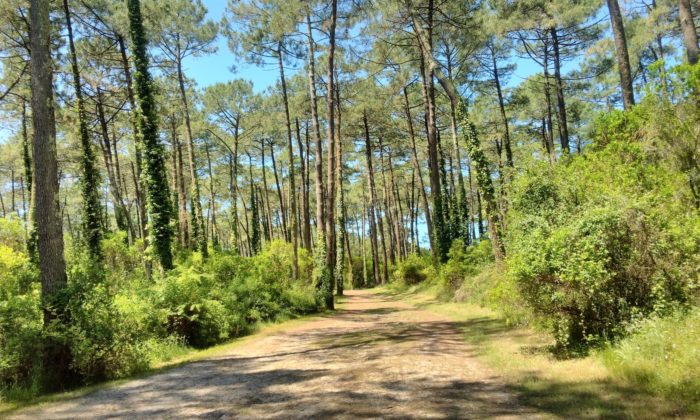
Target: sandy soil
(375, 358)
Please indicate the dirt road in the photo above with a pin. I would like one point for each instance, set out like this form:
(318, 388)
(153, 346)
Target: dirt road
(374, 358)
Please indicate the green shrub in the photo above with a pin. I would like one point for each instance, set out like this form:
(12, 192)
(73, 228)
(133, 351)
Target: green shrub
(410, 271)
(187, 296)
(662, 356)
(12, 233)
(601, 241)
(20, 318)
(119, 323)
(464, 262)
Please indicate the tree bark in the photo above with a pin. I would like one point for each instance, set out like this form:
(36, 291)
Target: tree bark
(372, 203)
(183, 216)
(121, 213)
(559, 87)
(154, 175)
(140, 197)
(212, 199)
(332, 145)
(292, 186)
(52, 264)
(91, 207)
(318, 157)
(623, 59)
(419, 173)
(283, 211)
(306, 217)
(502, 108)
(198, 231)
(690, 34)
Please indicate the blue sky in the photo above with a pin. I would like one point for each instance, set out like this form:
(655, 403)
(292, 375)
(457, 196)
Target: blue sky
(215, 68)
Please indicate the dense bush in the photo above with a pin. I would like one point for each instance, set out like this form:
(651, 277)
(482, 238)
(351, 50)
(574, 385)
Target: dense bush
(410, 271)
(121, 323)
(20, 317)
(602, 241)
(464, 262)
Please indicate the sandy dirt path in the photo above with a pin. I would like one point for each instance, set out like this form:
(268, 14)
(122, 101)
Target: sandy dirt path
(374, 358)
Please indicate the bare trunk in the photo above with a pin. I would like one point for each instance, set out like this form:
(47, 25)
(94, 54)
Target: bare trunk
(561, 104)
(292, 185)
(198, 232)
(318, 157)
(419, 173)
(52, 264)
(623, 59)
(372, 203)
(280, 196)
(690, 34)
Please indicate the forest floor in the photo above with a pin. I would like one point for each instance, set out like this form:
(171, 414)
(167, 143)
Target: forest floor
(378, 356)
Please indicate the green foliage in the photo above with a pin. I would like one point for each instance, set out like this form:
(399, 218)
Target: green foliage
(20, 316)
(662, 356)
(464, 262)
(122, 323)
(601, 241)
(410, 271)
(207, 304)
(154, 176)
(12, 233)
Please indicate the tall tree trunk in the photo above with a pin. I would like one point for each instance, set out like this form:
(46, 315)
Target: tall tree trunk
(623, 59)
(387, 205)
(502, 108)
(121, 187)
(398, 211)
(89, 182)
(331, 175)
(183, 216)
(199, 233)
(47, 215)
(212, 200)
(690, 34)
(263, 169)
(419, 173)
(233, 186)
(305, 222)
(371, 210)
(548, 103)
(121, 213)
(559, 87)
(341, 234)
(138, 145)
(318, 157)
(292, 186)
(461, 212)
(28, 180)
(283, 211)
(425, 43)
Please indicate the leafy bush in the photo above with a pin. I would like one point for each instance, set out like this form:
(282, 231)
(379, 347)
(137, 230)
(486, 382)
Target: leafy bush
(20, 317)
(464, 262)
(208, 303)
(12, 233)
(601, 241)
(662, 356)
(120, 323)
(410, 271)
